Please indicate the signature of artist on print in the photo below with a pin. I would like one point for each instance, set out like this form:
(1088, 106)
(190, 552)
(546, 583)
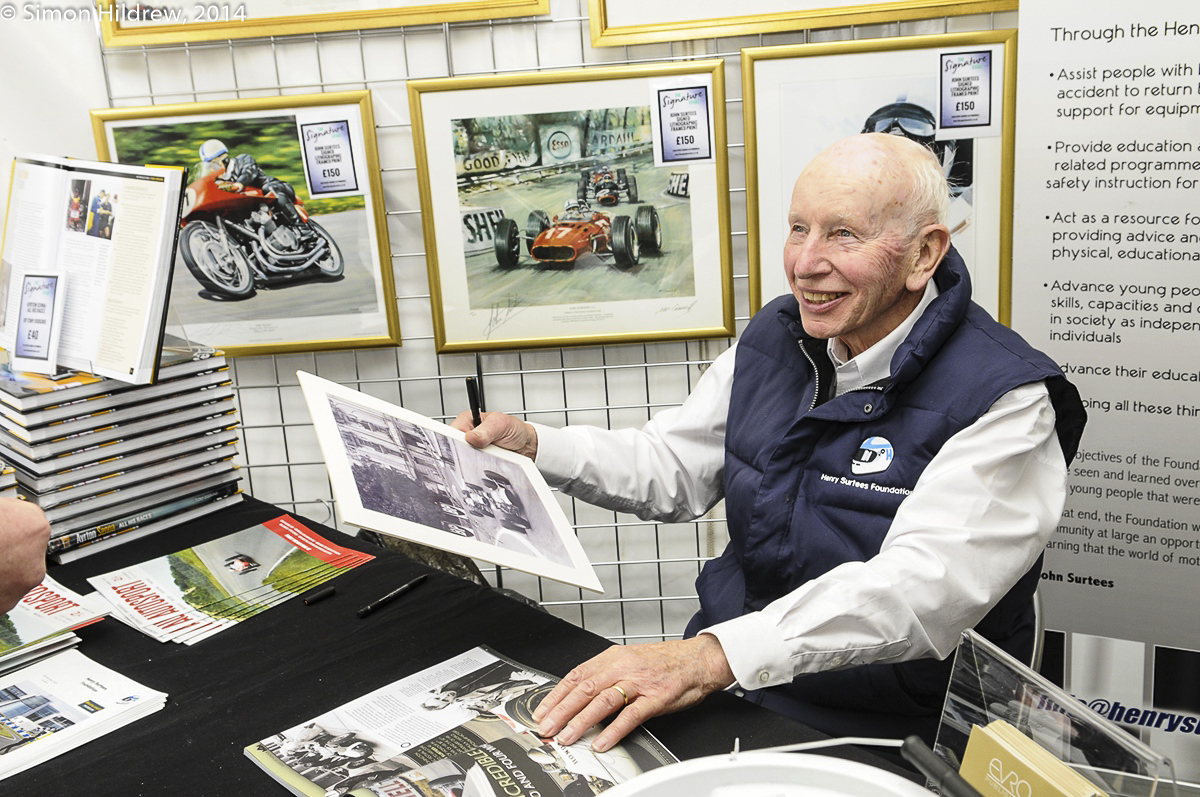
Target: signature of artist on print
(502, 312)
(679, 307)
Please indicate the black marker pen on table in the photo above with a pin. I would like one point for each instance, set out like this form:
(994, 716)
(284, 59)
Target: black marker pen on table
(391, 596)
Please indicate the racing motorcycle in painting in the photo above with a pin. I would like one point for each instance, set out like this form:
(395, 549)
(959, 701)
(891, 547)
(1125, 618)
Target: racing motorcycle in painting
(236, 241)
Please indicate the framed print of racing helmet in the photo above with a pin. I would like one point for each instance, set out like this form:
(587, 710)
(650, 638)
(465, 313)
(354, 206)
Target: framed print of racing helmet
(918, 123)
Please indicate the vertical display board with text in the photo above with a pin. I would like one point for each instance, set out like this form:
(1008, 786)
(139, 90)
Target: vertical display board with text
(1106, 278)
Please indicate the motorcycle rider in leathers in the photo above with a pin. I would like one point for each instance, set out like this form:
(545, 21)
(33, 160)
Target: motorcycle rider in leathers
(243, 170)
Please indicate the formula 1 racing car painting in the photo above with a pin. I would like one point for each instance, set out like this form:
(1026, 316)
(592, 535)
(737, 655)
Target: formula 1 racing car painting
(577, 231)
(605, 186)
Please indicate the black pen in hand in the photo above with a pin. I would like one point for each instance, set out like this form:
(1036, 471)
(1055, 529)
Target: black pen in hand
(473, 398)
(391, 596)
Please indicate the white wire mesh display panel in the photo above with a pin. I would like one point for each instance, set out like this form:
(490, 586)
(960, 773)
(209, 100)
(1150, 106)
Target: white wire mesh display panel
(647, 569)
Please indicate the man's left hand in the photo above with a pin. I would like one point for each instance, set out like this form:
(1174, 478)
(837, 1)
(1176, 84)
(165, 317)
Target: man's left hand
(24, 533)
(639, 681)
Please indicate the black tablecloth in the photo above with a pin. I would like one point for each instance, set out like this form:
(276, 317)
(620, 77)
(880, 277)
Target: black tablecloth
(289, 664)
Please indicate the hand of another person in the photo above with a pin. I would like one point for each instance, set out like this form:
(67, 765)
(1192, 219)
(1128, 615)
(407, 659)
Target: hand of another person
(503, 430)
(639, 681)
(24, 533)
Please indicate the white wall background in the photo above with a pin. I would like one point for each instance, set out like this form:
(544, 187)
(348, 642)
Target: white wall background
(52, 74)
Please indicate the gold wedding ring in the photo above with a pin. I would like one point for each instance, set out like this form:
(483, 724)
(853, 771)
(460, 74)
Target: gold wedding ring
(624, 697)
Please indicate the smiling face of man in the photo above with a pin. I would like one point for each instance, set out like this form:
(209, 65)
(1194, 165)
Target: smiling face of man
(854, 261)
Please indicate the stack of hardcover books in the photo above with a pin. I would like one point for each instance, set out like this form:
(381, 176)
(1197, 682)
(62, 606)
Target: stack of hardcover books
(109, 461)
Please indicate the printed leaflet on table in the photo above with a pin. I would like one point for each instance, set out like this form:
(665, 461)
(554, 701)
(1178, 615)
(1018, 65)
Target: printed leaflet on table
(192, 594)
(42, 623)
(62, 702)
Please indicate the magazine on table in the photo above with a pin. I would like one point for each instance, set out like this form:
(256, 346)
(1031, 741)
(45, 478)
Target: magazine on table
(42, 623)
(192, 594)
(402, 474)
(62, 702)
(462, 728)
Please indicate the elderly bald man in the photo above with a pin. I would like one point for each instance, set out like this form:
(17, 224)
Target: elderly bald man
(892, 460)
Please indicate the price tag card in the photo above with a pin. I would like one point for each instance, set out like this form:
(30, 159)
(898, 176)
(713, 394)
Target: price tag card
(682, 121)
(966, 95)
(329, 158)
(39, 317)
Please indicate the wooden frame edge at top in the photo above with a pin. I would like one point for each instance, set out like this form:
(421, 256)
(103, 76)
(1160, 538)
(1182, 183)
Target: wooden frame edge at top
(605, 34)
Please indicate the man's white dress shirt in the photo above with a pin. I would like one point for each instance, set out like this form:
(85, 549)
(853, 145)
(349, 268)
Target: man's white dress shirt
(977, 519)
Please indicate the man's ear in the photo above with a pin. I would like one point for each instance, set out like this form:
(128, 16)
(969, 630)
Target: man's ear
(934, 243)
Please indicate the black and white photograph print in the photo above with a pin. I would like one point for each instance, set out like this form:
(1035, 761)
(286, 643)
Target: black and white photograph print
(409, 472)
(399, 473)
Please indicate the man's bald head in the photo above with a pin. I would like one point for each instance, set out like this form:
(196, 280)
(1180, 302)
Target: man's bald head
(864, 237)
(912, 174)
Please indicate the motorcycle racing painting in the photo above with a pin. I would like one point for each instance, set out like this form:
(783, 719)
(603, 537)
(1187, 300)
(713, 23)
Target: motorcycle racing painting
(280, 247)
(550, 218)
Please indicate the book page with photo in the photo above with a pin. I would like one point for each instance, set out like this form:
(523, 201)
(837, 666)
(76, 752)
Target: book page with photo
(109, 232)
(463, 726)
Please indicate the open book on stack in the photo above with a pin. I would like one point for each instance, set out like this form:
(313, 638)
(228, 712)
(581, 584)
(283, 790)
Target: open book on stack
(86, 264)
(108, 461)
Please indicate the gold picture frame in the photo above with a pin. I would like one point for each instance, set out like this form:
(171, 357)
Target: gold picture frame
(622, 22)
(847, 87)
(120, 25)
(315, 278)
(499, 158)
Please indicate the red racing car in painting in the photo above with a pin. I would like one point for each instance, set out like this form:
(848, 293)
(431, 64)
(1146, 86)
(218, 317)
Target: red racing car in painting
(605, 185)
(579, 230)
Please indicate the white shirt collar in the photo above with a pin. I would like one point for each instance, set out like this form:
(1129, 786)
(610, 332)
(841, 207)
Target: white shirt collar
(876, 362)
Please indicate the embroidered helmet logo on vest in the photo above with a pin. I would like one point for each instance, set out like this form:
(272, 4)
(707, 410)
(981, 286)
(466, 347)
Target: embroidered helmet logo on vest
(873, 456)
